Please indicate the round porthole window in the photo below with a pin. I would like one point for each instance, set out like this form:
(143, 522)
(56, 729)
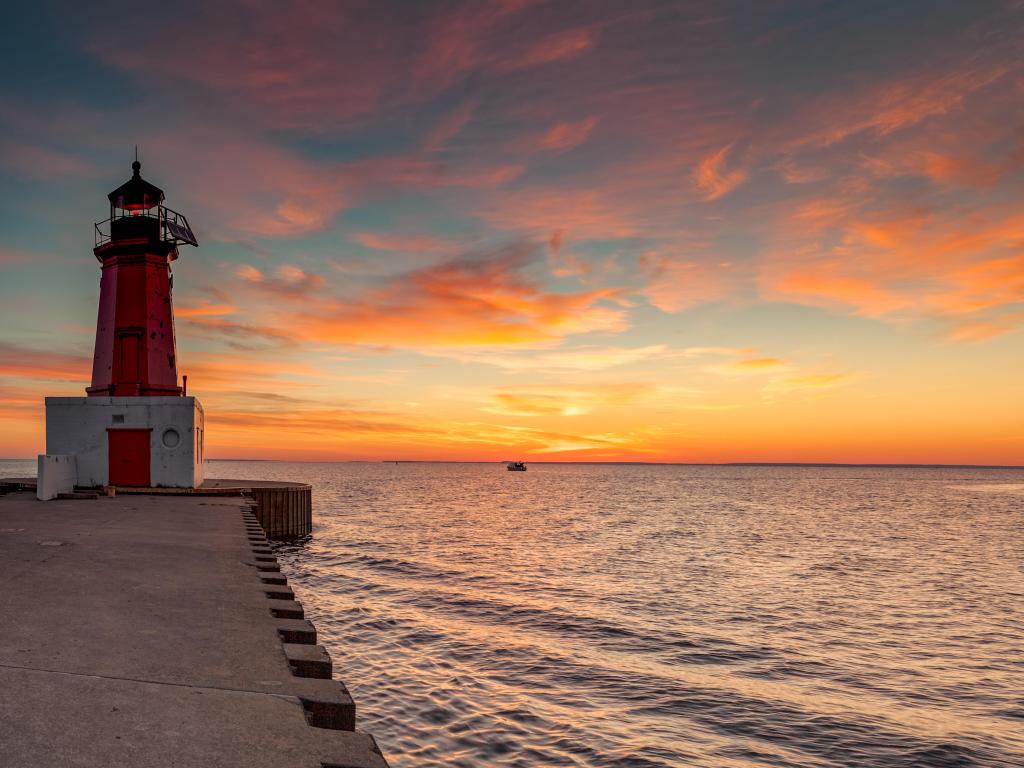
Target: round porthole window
(171, 438)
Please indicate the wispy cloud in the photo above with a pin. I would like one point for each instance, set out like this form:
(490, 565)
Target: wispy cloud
(809, 382)
(587, 358)
(713, 177)
(30, 363)
(287, 280)
(481, 301)
(563, 400)
(567, 135)
(676, 282)
(751, 366)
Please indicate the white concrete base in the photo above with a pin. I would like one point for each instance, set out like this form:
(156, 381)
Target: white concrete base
(78, 426)
(55, 474)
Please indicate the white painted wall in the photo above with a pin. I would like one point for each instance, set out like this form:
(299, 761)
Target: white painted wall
(55, 474)
(78, 426)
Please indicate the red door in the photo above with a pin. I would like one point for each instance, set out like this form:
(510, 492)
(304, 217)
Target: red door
(128, 457)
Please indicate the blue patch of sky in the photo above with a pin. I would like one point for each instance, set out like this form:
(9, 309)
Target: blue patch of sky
(45, 62)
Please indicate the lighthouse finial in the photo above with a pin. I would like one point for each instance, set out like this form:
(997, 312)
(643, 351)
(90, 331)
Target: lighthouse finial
(136, 166)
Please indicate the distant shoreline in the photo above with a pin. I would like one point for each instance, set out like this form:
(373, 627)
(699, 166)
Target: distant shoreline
(809, 464)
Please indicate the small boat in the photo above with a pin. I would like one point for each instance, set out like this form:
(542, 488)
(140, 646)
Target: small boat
(516, 466)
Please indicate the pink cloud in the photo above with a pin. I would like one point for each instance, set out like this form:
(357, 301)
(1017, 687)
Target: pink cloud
(675, 283)
(294, 64)
(288, 280)
(567, 135)
(714, 179)
(890, 105)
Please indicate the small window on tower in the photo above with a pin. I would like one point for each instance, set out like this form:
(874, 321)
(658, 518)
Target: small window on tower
(117, 418)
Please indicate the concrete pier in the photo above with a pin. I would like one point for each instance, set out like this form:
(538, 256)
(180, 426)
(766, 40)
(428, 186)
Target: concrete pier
(158, 631)
(284, 510)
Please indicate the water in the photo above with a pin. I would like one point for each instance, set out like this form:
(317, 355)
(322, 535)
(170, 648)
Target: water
(669, 616)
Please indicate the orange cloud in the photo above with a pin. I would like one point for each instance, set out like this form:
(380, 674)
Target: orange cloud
(235, 334)
(230, 372)
(465, 303)
(979, 330)
(961, 168)
(712, 178)
(749, 366)
(28, 363)
(548, 400)
(919, 261)
(827, 284)
(204, 309)
(990, 283)
(237, 431)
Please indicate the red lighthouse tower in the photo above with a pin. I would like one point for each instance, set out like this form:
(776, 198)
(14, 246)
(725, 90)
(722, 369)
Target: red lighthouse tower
(136, 427)
(135, 351)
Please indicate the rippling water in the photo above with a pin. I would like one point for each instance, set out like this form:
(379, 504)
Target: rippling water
(670, 616)
(667, 616)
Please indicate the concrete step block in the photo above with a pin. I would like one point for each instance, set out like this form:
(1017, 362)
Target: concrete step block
(273, 577)
(268, 567)
(287, 609)
(348, 749)
(327, 704)
(278, 592)
(308, 660)
(297, 631)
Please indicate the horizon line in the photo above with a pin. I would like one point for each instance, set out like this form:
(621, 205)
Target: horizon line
(868, 465)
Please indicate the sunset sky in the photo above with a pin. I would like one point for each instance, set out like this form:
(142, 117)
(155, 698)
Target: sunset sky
(651, 231)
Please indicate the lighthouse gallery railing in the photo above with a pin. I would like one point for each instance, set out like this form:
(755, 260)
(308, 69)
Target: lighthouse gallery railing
(174, 226)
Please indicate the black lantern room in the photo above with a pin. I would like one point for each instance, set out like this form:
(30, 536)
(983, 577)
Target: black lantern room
(138, 215)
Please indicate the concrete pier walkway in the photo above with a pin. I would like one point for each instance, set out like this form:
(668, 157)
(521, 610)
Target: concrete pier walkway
(158, 631)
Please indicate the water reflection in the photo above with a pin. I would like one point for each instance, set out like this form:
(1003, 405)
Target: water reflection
(666, 616)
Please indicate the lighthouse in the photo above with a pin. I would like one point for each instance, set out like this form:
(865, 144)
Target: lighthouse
(135, 427)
